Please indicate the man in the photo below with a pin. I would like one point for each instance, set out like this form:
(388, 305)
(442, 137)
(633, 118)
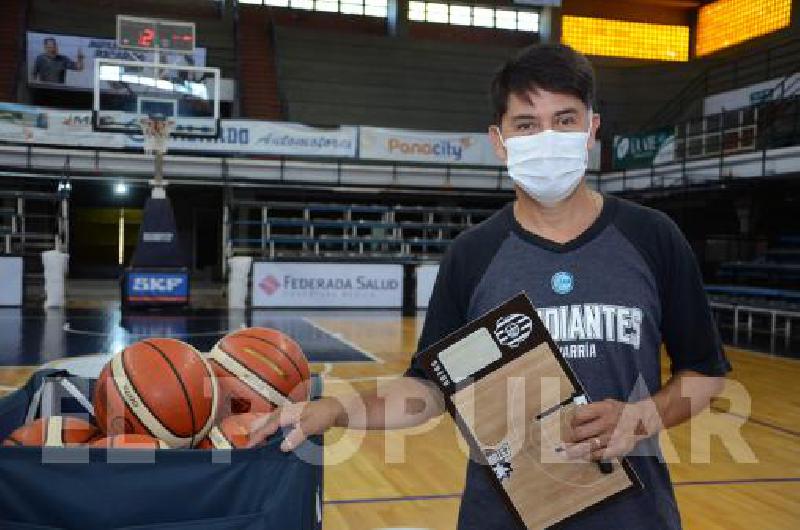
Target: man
(579, 255)
(51, 67)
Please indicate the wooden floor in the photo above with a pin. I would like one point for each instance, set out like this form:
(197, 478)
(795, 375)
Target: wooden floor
(414, 480)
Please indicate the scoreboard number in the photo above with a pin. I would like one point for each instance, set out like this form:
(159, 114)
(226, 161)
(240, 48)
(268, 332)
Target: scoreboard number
(155, 34)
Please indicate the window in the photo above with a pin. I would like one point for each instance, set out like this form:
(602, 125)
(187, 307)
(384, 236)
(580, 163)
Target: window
(618, 38)
(370, 8)
(466, 15)
(727, 22)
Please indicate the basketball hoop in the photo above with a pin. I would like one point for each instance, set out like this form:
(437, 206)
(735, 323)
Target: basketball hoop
(156, 132)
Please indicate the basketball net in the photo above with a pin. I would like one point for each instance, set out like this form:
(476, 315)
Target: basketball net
(156, 133)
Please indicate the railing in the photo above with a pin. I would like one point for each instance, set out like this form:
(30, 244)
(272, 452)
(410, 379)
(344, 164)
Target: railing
(274, 229)
(749, 312)
(741, 143)
(19, 159)
(26, 231)
(726, 75)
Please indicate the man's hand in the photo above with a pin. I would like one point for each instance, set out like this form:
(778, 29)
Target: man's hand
(304, 419)
(603, 430)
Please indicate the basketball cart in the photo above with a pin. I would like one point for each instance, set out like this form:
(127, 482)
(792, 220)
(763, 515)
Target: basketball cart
(167, 489)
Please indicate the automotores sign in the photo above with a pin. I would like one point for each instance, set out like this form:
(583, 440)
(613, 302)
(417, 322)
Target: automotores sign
(293, 284)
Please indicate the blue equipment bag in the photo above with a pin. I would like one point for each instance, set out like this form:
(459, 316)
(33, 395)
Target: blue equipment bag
(90, 489)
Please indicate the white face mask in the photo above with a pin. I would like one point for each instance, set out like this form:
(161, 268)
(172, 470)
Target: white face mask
(548, 165)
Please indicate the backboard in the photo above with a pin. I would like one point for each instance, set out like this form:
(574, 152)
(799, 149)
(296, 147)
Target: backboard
(127, 91)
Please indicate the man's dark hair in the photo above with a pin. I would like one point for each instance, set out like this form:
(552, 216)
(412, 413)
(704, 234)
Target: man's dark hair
(50, 40)
(552, 67)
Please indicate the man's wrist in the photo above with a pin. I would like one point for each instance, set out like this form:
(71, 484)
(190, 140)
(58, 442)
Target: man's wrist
(649, 423)
(339, 411)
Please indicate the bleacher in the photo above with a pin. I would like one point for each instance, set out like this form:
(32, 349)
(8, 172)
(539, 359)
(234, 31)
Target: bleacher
(770, 280)
(364, 231)
(30, 223)
(342, 78)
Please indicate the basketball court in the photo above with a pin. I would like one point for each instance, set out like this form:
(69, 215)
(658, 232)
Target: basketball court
(196, 171)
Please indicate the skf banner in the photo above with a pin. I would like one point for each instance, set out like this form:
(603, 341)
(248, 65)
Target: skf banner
(66, 61)
(156, 287)
(21, 123)
(268, 138)
(288, 284)
(421, 146)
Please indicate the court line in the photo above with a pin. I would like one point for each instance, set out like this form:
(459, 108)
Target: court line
(737, 481)
(762, 423)
(409, 498)
(340, 338)
(448, 496)
(365, 379)
(68, 329)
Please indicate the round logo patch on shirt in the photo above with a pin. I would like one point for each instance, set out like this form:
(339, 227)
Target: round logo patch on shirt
(562, 282)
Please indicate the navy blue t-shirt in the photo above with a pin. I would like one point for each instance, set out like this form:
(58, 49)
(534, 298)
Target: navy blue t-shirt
(609, 298)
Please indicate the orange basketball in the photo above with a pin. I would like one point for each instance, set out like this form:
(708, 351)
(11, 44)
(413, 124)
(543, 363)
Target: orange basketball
(129, 441)
(160, 387)
(234, 432)
(259, 369)
(55, 431)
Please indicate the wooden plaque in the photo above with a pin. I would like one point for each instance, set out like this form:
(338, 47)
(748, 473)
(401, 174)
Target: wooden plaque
(511, 393)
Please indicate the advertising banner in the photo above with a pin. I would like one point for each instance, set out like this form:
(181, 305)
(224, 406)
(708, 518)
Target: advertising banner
(426, 277)
(156, 287)
(421, 146)
(22, 123)
(268, 138)
(750, 95)
(292, 284)
(644, 150)
(67, 61)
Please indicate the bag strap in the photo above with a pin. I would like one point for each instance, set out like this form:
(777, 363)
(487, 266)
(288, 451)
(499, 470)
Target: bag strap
(43, 397)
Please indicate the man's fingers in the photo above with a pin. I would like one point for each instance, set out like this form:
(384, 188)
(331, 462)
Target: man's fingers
(585, 432)
(587, 413)
(265, 426)
(580, 451)
(293, 439)
(591, 449)
(290, 414)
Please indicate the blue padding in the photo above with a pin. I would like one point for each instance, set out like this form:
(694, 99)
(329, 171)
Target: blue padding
(741, 290)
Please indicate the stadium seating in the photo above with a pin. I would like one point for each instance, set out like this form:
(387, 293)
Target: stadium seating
(778, 267)
(30, 223)
(339, 78)
(285, 229)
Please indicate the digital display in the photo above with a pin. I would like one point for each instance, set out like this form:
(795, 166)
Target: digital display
(155, 34)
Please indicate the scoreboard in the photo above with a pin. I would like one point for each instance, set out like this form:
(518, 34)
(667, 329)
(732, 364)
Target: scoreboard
(155, 34)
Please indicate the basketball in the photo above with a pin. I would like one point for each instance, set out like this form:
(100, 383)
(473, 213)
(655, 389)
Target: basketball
(129, 441)
(159, 387)
(55, 431)
(259, 369)
(233, 432)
